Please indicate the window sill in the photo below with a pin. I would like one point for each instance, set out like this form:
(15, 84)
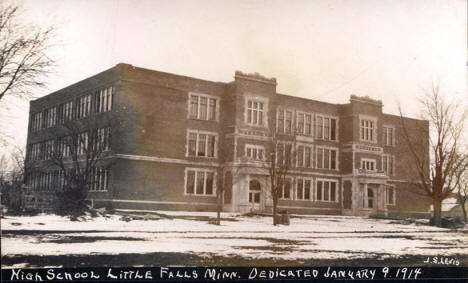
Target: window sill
(202, 157)
(327, 140)
(198, 195)
(206, 120)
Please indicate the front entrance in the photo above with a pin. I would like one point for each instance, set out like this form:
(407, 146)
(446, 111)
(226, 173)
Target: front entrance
(254, 194)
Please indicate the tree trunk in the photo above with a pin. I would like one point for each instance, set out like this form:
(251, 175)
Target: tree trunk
(274, 212)
(462, 204)
(218, 210)
(437, 212)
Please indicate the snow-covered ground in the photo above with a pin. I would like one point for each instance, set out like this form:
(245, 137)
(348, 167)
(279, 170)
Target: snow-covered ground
(308, 237)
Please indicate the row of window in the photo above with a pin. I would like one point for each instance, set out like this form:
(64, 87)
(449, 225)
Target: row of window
(202, 144)
(78, 108)
(205, 107)
(201, 182)
(368, 128)
(63, 146)
(388, 167)
(326, 158)
(55, 180)
(325, 190)
(325, 127)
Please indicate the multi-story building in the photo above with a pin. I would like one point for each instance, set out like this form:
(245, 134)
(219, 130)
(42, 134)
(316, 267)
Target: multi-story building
(175, 140)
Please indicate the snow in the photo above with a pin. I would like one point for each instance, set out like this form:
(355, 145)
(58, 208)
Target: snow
(319, 237)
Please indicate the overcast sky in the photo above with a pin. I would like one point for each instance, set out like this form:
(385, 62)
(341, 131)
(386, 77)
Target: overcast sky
(324, 50)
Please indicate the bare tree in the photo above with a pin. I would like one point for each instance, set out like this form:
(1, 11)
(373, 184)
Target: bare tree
(23, 53)
(80, 153)
(461, 183)
(279, 162)
(436, 171)
(12, 172)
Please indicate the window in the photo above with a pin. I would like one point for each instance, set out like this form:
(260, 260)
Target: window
(327, 190)
(35, 153)
(100, 180)
(304, 156)
(368, 164)
(390, 197)
(304, 124)
(255, 152)
(367, 129)
(202, 144)
(326, 128)
(202, 107)
(200, 182)
(82, 143)
(67, 111)
(83, 106)
(49, 149)
(63, 146)
(327, 158)
(103, 99)
(303, 188)
(284, 153)
(49, 117)
(36, 123)
(255, 112)
(284, 122)
(286, 189)
(387, 164)
(388, 135)
(103, 139)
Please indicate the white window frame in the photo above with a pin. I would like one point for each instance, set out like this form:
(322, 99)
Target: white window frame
(323, 116)
(257, 99)
(312, 127)
(104, 97)
(291, 189)
(390, 161)
(323, 190)
(84, 106)
(100, 180)
(283, 130)
(311, 189)
(197, 171)
(68, 111)
(387, 200)
(103, 138)
(304, 145)
(365, 161)
(284, 152)
(256, 148)
(82, 143)
(317, 148)
(208, 97)
(374, 129)
(198, 133)
(385, 138)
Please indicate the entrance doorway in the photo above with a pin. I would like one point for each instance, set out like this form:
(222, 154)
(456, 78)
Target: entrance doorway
(254, 194)
(370, 198)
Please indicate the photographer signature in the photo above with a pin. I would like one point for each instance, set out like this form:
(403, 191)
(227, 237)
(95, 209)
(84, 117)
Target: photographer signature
(442, 260)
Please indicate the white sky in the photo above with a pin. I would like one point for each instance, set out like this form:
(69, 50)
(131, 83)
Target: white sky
(325, 50)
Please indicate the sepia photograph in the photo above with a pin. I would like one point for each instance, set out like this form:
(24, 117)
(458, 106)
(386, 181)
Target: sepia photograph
(278, 136)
